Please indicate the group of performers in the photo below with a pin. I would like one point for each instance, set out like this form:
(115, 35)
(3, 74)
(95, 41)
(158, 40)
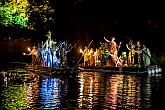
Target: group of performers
(109, 54)
(51, 53)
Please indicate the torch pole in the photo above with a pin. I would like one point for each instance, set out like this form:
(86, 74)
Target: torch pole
(83, 53)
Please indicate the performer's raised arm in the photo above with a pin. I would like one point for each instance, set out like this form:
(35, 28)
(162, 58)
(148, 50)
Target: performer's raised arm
(127, 47)
(106, 40)
(53, 42)
(44, 45)
(119, 45)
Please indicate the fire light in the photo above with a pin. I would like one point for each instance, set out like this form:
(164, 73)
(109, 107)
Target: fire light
(29, 49)
(81, 51)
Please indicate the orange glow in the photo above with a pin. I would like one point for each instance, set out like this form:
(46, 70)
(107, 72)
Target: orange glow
(88, 89)
(29, 49)
(81, 51)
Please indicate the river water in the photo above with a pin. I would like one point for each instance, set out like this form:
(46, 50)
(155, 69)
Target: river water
(23, 90)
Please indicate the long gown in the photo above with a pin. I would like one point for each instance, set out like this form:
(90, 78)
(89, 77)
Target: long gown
(146, 57)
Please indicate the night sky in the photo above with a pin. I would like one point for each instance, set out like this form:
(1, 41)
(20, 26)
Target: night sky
(84, 19)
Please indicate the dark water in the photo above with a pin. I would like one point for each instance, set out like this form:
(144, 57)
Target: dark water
(22, 90)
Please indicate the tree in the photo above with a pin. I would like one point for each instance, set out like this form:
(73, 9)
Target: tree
(14, 12)
(41, 14)
(30, 14)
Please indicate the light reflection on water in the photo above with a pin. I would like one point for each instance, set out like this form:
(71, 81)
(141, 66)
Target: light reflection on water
(50, 93)
(85, 90)
(115, 91)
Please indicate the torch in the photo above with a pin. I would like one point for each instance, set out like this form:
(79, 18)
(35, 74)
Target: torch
(81, 51)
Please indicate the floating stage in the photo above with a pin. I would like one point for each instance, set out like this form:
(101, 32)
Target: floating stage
(134, 70)
(50, 70)
(107, 69)
(125, 69)
(112, 69)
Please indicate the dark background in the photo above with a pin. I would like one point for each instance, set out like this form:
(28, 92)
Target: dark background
(136, 20)
(84, 20)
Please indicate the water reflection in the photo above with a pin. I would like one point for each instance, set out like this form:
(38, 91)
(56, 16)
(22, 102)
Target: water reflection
(50, 93)
(83, 90)
(116, 91)
(7, 77)
(88, 91)
(16, 94)
(32, 93)
(123, 92)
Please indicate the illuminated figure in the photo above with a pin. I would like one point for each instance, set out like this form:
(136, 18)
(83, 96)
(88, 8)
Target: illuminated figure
(48, 56)
(86, 56)
(66, 48)
(131, 54)
(91, 57)
(49, 52)
(124, 59)
(55, 59)
(49, 42)
(39, 57)
(43, 61)
(34, 55)
(146, 56)
(99, 56)
(138, 50)
(96, 57)
(113, 47)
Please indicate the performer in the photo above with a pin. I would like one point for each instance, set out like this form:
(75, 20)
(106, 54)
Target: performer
(138, 50)
(49, 59)
(34, 55)
(131, 54)
(96, 57)
(113, 47)
(86, 56)
(91, 57)
(43, 61)
(55, 59)
(49, 42)
(39, 57)
(100, 56)
(124, 59)
(146, 56)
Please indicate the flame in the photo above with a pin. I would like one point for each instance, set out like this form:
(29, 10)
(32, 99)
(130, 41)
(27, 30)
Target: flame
(81, 51)
(29, 49)
(23, 53)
